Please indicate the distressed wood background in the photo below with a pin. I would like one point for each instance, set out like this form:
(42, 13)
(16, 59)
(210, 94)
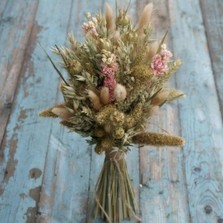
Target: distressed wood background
(48, 175)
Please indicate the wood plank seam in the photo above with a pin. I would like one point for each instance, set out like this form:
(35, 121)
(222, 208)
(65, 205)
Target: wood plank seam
(210, 52)
(183, 164)
(40, 216)
(196, 114)
(7, 174)
(9, 107)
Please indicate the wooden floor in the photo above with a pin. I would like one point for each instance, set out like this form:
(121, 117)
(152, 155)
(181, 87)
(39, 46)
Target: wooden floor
(48, 175)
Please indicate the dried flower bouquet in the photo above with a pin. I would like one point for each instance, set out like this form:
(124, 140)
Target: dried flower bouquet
(117, 81)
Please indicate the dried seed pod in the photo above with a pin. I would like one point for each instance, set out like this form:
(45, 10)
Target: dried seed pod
(117, 118)
(62, 112)
(120, 92)
(103, 115)
(118, 133)
(94, 100)
(104, 95)
(57, 111)
(160, 97)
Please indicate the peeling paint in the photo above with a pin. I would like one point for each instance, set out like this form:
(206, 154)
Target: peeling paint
(11, 165)
(31, 214)
(1, 190)
(35, 173)
(32, 211)
(43, 219)
(35, 193)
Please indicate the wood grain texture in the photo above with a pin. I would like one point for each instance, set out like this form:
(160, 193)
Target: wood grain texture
(27, 137)
(48, 175)
(3, 4)
(200, 116)
(15, 32)
(213, 20)
(163, 196)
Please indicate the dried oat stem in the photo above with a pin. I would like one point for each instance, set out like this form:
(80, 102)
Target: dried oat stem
(115, 198)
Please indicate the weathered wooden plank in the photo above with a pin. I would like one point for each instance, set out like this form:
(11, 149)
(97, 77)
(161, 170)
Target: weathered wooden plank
(64, 194)
(213, 20)
(14, 38)
(78, 200)
(15, 32)
(28, 136)
(163, 195)
(2, 8)
(200, 117)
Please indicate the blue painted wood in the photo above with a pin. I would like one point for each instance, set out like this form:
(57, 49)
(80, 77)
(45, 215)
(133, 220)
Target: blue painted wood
(163, 195)
(27, 136)
(200, 116)
(212, 16)
(2, 7)
(64, 194)
(15, 32)
(49, 175)
(77, 197)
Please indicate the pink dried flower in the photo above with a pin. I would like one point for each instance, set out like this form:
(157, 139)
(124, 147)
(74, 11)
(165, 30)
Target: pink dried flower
(166, 54)
(159, 65)
(110, 83)
(160, 61)
(114, 66)
(108, 70)
(90, 27)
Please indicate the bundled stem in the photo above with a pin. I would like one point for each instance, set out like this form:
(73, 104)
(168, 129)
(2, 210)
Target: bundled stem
(115, 198)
